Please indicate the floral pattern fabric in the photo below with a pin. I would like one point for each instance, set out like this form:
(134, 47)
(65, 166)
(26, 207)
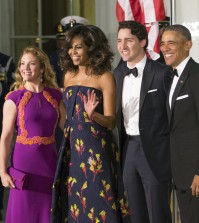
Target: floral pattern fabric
(88, 183)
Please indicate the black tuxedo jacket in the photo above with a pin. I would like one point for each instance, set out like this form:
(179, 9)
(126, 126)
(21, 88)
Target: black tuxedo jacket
(184, 126)
(153, 122)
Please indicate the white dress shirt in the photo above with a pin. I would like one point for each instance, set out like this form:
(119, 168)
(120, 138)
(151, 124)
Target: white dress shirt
(179, 69)
(131, 99)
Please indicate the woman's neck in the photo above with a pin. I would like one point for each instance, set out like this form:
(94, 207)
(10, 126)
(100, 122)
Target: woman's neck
(34, 87)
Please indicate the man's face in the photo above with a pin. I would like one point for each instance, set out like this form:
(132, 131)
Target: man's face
(129, 46)
(175, 48)
(60, 44)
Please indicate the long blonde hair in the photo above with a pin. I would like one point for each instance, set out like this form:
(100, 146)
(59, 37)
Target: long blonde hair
(49, 78)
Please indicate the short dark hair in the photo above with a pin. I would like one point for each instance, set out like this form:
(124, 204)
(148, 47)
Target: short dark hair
(180, 29)
(137, 29)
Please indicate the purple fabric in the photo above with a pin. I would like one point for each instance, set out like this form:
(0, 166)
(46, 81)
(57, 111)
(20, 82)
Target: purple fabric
(39, 160)
(19, 178)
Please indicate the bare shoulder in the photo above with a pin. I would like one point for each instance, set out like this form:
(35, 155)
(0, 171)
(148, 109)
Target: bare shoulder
(9, 107)
(67, 78)
(107, 79)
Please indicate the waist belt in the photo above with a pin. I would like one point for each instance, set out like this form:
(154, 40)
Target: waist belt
(135, 137)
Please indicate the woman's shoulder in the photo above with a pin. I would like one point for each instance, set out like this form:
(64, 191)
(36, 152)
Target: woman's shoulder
(13, 95)
(55, 92)
(67, 77)
(106, 81)
(53, 89)
(107, 77)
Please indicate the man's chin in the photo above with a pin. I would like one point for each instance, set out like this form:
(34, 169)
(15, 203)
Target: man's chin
(124, 59)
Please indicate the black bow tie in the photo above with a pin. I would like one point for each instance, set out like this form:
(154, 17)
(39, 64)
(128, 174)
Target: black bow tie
(133, 71)
(175, 73)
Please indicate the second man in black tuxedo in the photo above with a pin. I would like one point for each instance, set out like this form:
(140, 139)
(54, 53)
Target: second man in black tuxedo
(143, 126)
(183, 114)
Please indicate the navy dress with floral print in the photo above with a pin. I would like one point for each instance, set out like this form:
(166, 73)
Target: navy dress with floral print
(88, 183)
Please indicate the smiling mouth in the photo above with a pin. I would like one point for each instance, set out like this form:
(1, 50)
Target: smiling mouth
(168, 56)
(27, 73)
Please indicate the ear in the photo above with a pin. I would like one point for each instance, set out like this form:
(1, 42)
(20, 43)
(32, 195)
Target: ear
(41, 70)
(143, 43)
(188, 45)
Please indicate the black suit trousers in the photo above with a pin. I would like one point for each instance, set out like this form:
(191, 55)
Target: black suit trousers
(188, 205)
(149, 199)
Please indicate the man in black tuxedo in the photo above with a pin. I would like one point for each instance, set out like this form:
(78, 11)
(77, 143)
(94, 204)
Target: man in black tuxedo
(183, 114)
(143, 127)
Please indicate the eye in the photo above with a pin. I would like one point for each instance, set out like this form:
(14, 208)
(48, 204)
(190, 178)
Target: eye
(79, 46)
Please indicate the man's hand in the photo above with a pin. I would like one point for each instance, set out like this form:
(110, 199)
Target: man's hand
(195, 186)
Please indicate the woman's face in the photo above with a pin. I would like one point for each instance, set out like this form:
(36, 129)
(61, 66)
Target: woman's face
(78, 52)
(30, 68)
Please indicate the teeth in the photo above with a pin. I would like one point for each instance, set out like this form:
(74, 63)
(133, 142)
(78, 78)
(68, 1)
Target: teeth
(124, 52)
(168, 55)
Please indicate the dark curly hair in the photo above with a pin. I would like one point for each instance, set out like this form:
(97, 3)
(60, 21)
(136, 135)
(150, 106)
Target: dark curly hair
(137, 29)
(100, 55)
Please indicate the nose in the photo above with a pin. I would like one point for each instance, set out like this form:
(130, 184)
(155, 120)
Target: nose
(27, 66)
(73, 51)
(122, 45)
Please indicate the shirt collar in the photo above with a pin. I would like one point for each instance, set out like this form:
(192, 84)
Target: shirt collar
(182, 65)
(140, 65)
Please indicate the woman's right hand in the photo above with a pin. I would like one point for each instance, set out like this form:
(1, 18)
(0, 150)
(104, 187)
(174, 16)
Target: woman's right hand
(7, 181)
(90, 103)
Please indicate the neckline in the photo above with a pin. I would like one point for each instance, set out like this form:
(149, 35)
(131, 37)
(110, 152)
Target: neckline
(33, 92)
(71, 86)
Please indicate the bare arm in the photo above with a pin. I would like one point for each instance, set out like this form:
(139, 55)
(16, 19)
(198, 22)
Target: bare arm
(108, 87)
(62, 112)
(9, 118)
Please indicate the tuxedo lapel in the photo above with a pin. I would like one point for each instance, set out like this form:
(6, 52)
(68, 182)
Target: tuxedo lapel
(147, 78)
(179, 85)
(167, 104)
(167, 101)
(120, 80)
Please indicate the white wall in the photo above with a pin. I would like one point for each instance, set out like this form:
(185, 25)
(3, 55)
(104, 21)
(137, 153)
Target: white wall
(106, 19)
(187, 13)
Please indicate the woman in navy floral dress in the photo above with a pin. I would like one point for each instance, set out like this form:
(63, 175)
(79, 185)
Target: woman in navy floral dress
(88, 183)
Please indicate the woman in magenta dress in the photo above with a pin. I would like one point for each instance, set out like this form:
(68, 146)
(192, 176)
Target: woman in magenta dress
(88, 183)
(34, 109)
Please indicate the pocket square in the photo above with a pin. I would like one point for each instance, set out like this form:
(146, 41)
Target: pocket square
(152, 90)
(182, 97)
